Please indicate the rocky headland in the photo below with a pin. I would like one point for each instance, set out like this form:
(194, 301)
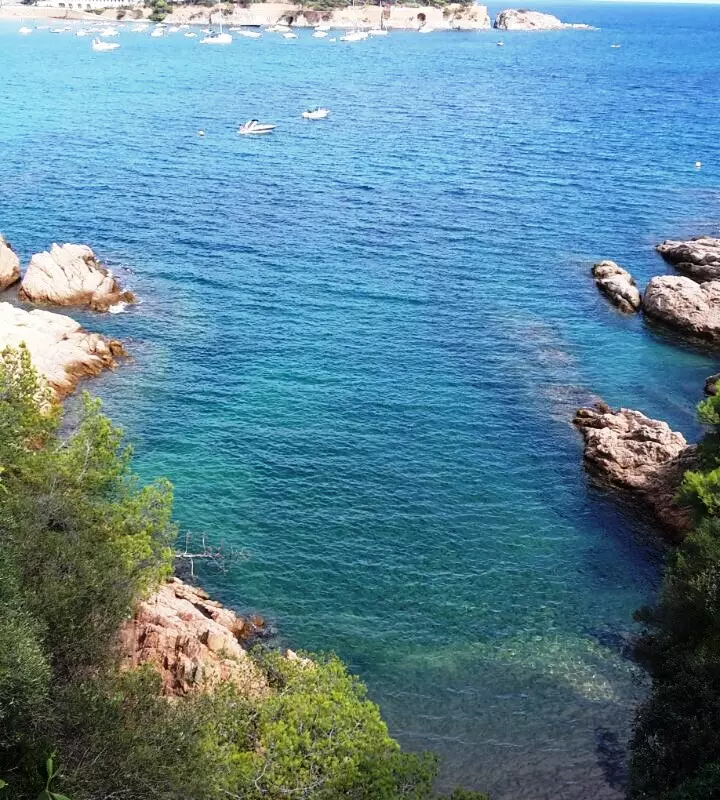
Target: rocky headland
(395, 17)
(641, 456)
(193, 642)
(71, 275)
(518, 19)
(61, 350)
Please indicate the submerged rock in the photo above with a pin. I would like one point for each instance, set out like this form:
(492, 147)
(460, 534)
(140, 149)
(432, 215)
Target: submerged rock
(515, 19)
(626, 450)
(698, 258)
(618, 285)
(690, 307)
(60, 349)
(193, 642)
(9, 265)
(71, 275)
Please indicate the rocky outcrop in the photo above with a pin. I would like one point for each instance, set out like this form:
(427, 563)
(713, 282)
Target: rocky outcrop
(626, 450)
(711, 382)
(9, 265)
(680, 303)
(193, 642)
(697, 258)
(618, 285)
(60, 349)
(394, 17)
(514, 19)
(71, 275)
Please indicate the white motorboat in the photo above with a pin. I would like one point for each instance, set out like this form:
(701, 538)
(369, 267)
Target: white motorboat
(426, 29)
(501, 44)
(378, 32)
(249, 34)
(322, 28)
(190, 35)
(157, 32)
(24, 31)
(253, 128)
(354, 36)
(174, 29)
(104, 47)
(290, 35)
(217, 38)
(319, 34)
(615, 46)
(316, 113)
(108, 32)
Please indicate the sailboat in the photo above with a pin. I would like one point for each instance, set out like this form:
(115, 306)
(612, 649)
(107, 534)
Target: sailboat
(217, 38)
(354, 35)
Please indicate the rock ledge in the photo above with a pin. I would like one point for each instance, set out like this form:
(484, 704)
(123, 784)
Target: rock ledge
(626, 450)
(71, 275)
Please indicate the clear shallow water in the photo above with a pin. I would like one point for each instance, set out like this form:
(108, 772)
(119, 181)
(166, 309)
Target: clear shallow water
(361, 341)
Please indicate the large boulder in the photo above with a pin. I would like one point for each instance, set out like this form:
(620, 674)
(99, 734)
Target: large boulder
(626, 450)
(617, 284)
(698, 258)
(9, 265)
(692, 308)
(518, 19)
(193, 642)
(60, 349)
(71, 275)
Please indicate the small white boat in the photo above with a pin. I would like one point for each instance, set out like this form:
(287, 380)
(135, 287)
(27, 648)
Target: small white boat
(615, 45)
(174, 29)
(354, 36)
(217, 38)
(82, 32)
(104, 47)
(254, 127)
(280, 28)
(322, 28)
(426, 29)
(698, 164)
(290, 35)
(501, 44)
(24, 31)
(190, 35)
(319, 34)
(107, 32)
(249, 34)
(378, 32)
(157, 32)
(316, 113)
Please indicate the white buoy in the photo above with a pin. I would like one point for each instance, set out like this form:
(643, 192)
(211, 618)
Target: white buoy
(201, 133)
(698, 164)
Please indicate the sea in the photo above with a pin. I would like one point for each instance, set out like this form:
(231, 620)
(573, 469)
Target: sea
(360, 341)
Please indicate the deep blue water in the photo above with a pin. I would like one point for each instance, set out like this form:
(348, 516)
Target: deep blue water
(361, 341)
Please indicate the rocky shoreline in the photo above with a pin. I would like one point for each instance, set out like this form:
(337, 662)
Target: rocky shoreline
(450, 17)
(624, 449)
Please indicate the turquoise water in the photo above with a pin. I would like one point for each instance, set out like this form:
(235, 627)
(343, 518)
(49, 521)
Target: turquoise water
(361, 341)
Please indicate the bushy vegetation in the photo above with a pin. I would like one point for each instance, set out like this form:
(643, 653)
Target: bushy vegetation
(80, 541)
(676, 745)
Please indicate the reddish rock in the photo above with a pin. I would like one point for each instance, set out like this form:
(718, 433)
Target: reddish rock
(192, 641)
(626, 450)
